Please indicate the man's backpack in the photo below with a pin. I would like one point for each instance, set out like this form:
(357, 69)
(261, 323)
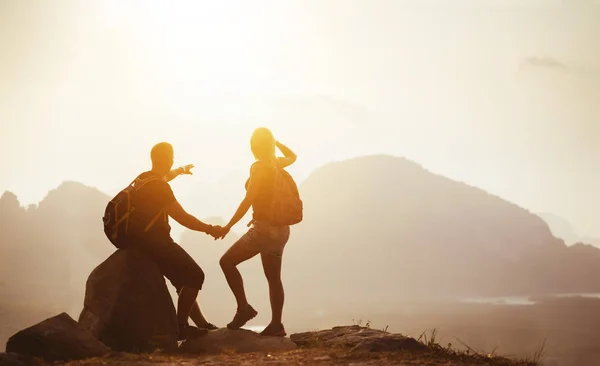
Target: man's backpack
(119, 210)
(286, 206)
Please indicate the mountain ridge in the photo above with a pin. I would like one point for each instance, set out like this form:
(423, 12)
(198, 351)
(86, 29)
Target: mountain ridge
(398, 197)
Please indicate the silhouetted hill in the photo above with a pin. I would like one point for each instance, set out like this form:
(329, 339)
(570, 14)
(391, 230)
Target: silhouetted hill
(385, 228)
(561, 228)
(48, 247)
(594, 241)
(48, 251)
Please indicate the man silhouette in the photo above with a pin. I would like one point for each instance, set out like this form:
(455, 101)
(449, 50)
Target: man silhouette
(155, 199)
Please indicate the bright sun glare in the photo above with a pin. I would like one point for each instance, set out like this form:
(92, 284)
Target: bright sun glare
(223, 47)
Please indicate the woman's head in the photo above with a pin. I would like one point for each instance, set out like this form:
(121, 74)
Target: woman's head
(262, 144)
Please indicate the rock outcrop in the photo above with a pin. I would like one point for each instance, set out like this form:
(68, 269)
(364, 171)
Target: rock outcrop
(388, 343)
(241, 341)
(127, 305)
(357, 338)
(58, 338)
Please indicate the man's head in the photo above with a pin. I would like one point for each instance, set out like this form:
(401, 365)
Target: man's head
(162, 157)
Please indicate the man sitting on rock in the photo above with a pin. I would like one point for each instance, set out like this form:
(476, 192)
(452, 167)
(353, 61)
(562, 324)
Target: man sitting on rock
(174, 262)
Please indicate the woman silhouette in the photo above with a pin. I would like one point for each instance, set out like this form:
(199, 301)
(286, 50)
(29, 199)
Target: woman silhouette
(263, 237)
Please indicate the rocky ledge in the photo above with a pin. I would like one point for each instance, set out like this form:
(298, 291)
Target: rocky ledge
(357, 338)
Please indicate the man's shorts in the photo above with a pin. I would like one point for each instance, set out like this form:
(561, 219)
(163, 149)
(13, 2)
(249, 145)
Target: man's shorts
(265, 238)
(174, 263)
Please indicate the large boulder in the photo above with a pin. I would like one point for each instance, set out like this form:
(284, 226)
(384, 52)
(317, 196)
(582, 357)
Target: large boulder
(59, 338)
(241, 340)
(356, 338)
(128, 306)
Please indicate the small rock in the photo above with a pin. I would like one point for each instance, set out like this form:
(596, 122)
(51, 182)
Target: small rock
(241, 341)
(59, 338)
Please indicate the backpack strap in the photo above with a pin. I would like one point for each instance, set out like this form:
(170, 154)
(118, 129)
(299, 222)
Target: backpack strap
(153, 221)
(141, 183)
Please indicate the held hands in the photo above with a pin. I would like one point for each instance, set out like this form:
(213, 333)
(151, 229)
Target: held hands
(224, 232)
(218, 232)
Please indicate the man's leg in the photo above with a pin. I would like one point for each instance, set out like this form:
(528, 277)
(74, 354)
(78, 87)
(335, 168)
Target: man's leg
(185, 304)
(185, 274)
(195, 314)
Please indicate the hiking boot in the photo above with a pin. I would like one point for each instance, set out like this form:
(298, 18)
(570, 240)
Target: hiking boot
(274, 330)
(242, 317)
(187, 331)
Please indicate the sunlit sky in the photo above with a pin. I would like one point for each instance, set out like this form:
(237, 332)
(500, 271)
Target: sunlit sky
(87, 87)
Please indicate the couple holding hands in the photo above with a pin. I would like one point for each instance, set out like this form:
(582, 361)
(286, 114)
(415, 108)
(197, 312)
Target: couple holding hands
(149, 230)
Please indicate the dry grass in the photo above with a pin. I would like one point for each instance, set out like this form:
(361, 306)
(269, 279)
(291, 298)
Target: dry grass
(471, 355)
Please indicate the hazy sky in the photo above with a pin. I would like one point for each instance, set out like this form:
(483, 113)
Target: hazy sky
(504, 95)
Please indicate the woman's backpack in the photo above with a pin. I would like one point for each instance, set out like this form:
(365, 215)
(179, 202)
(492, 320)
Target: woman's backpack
(119, 210)
(286, 206)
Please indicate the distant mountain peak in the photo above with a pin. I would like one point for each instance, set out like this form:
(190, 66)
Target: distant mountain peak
(9, 201)
(71, 195)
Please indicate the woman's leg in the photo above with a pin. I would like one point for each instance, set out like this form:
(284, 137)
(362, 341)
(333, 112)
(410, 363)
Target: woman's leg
(238, 253)
(272, 267)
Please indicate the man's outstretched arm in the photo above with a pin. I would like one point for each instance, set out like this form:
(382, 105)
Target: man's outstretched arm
(186, 169)
(178, 214)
